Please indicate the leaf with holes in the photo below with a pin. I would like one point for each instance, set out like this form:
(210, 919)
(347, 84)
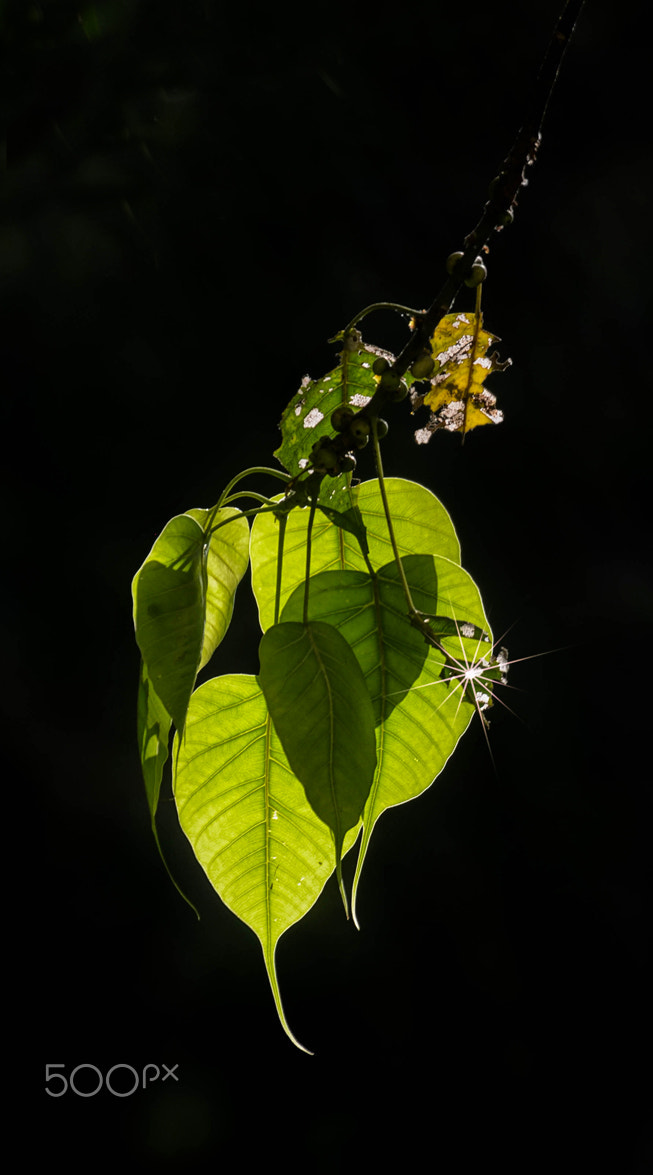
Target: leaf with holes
(457, 398)
(308, 415)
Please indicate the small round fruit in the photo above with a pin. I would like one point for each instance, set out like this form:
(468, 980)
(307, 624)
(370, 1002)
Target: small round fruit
(380, 365)
(394, 386)
(381, 428)
(324, 457)
(477, 275)
(348, 463)
(452, 261)
(423, 366)
(360, 431)
(341, 418)
(390, 381)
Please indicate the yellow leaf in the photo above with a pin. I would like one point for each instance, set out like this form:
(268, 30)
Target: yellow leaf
(457, 397)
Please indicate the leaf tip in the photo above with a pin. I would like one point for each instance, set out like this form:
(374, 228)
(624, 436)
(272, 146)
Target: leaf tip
(271, 968)
(341, 886)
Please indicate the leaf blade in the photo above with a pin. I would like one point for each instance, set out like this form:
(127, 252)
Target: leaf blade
(169, 606)
(419, 719)
(322, 712)
(246, 815)
(227, 559)
(422, 525)
(308, 415)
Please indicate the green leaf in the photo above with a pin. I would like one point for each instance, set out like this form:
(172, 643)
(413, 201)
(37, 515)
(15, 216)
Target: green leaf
(169, 604)
(226, 564)
(350, 520)
(370, 612)
(308, 415)
(184, 599)
(247, 817)
(419, 715)
(323, 714)
(422, 525)
(153, 724)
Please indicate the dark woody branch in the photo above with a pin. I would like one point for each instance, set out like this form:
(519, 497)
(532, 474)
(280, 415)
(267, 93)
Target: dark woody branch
(499, 209)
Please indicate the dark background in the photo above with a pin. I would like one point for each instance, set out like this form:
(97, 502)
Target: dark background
(199, 195)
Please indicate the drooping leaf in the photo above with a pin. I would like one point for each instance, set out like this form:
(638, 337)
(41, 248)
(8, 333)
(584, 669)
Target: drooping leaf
(247, 817)
(370, 612)
(184, 598)
(153, 725)
(457, 397)
(169, 605)
(322, 712)
(308, 415)
(421, 523)
(419, 715)
(226, 563)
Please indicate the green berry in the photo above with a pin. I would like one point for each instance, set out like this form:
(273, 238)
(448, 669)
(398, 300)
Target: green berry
(381, 428)
(390, 381)
(401, 393)
(341, 418)
(324, 456)
(360, 431)
(380, 365)
(348, 463)
(452, 261)
(423, 366)
(477, 275)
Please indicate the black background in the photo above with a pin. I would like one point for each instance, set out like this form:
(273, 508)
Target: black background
(198, 197)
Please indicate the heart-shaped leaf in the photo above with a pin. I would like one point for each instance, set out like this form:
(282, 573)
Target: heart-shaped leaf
(184, 597)
(323, 714)
(247, 817)
(421, 524)
(169, 607)
(226, 563)
(419, 715)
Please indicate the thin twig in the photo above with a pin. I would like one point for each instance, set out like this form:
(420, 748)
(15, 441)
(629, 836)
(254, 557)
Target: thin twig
(499, 209)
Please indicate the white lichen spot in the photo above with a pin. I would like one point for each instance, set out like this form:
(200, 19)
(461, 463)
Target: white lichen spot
(452, 416)
(423, 436)
(467, 630)
(359, 401)
(461, 319)
(313, 418)
(305, 382)
(483, 361)
(364, 364)
(458, 350)
(303, 462)
(274, 816)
